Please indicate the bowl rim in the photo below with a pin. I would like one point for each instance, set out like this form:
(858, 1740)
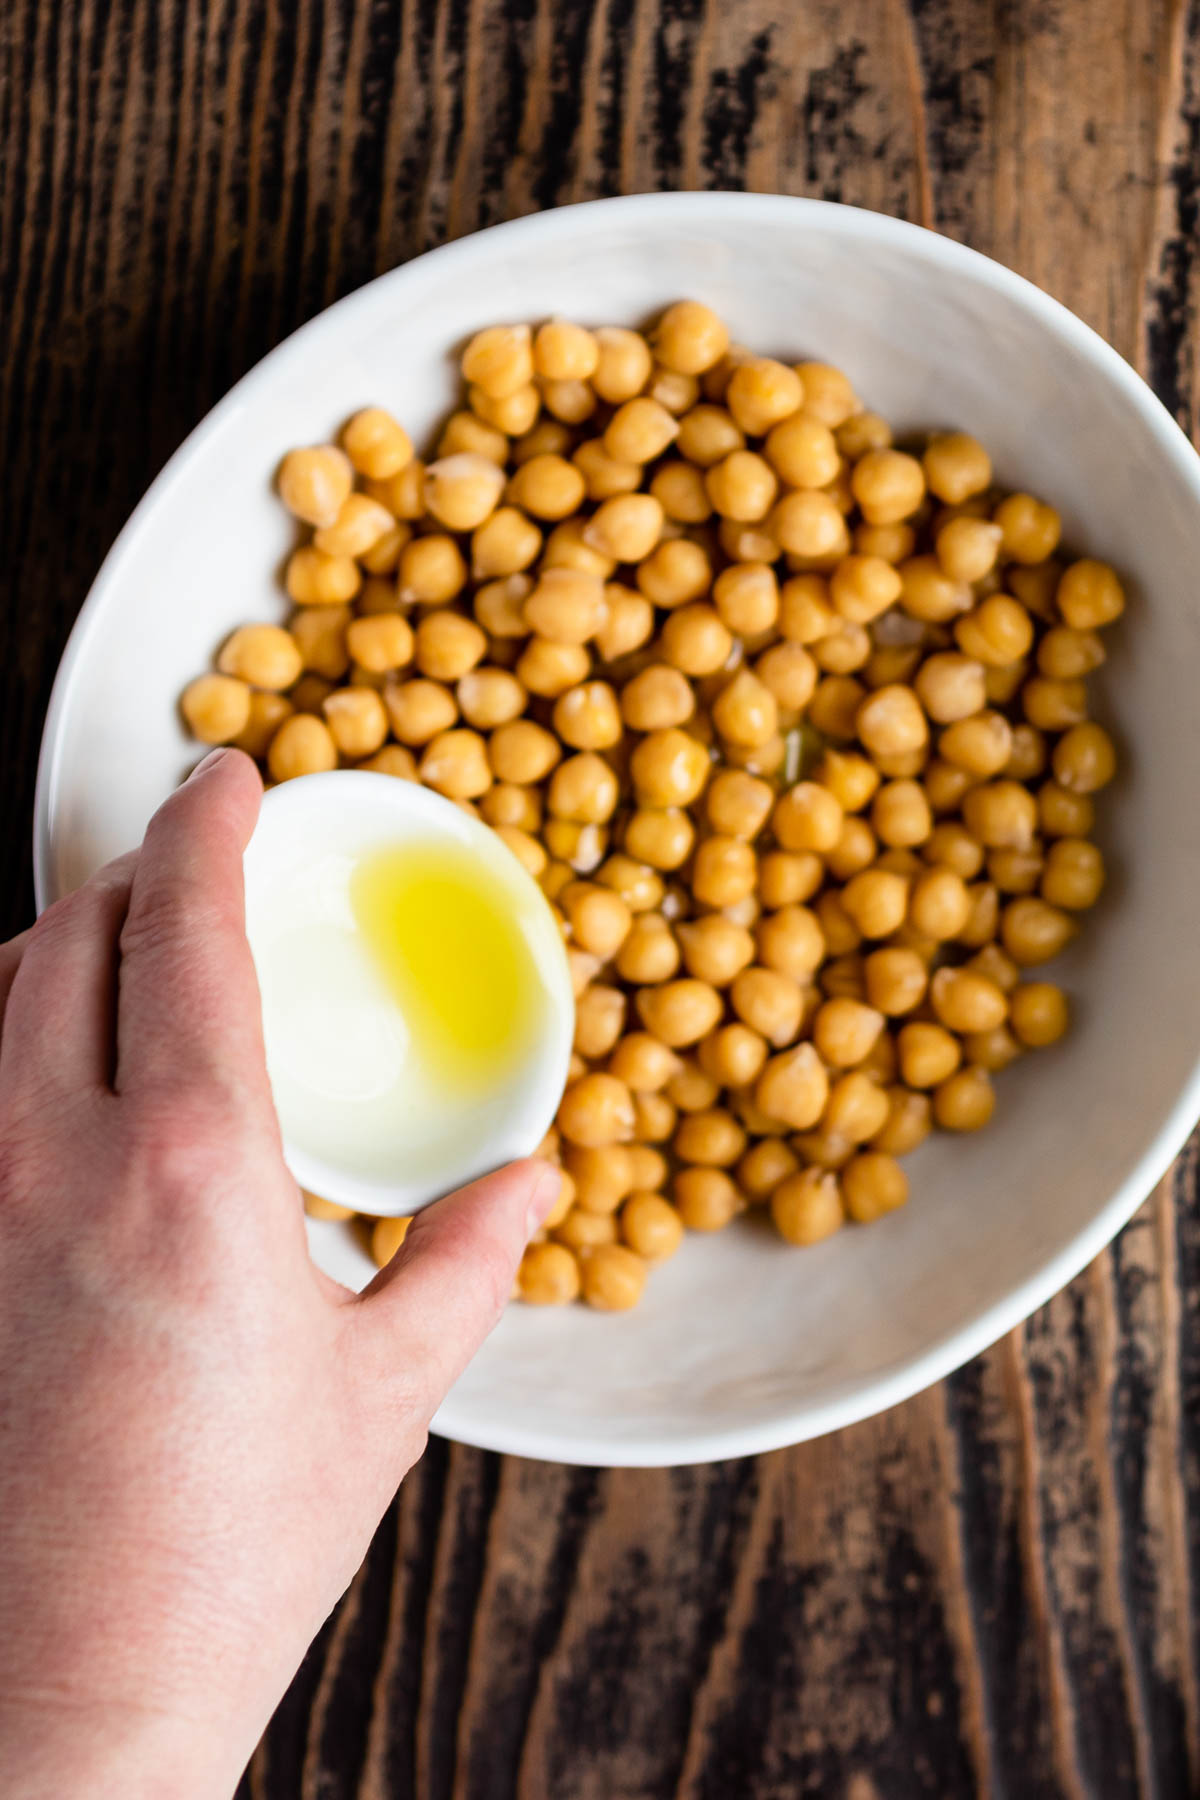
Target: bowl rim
(908, 1375)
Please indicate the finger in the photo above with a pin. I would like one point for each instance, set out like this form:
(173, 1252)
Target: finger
(425, 1315)
(188, 1009)
(10, 960)
(59, 1014)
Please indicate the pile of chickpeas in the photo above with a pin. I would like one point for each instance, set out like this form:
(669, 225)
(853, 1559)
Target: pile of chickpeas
(790, 724)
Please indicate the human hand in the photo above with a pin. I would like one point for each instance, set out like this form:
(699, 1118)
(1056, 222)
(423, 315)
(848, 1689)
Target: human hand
(198, 1430)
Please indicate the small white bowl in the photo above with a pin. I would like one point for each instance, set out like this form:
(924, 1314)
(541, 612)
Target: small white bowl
(741, 1344)
(309, 834)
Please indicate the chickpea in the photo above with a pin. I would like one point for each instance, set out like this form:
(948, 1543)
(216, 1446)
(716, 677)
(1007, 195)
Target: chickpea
(629, 625)
(844, 1031)
(957, 467)
(654, 1118)
(465, 433)
(981, 746)
(888, 485)
(656, 699)
(669, 768)
(690, 1089)
(805, 612)
(992, 1050)
(793, 1087)
(679, 1012)
(690, 338)
(945, 785)
(566, 606)
(625, 528)
(1001, 814)
(896, 980)
(864, 587)
(939, 904)
(873, 1184)
(583, 790)
(676, 572)
(998, 632)
(745, 712)
(733, 1055)
(785, 877)
(490, 697)
(950, 687)
(965, 1101)
(1054, 705)
(549, 487)
(216, 708)
(600, 920)
(900, 814)
(908, 1123)
(876, 901)
(807, 1207)
(602, 1174)
(951, 846)
(680, 491)
(601, 478)
(764, 1166)
(661, 838)
(432, 570)
(708, 434)
(640, 887)
(550, 669)
(623, 364)
(358, 721)
(521, 752)
(267, 713)
(315, 484)
(791, 942)
(1084, 759)
(643, 1063)
(303, 745)
(651, 1226)
(1030, 529)
(583, 1232)
(596, 1110)
(548, 1276)
(314, 578)
(1062, 813)
(927, 593)
(929, 1054)
(997, 965)
(808, 817)
(762, 391)
(769, 1002)
(1089, 595)
(856, 1110)
(499, 359)
(696, 642)
(983, 920)
(806, 522)
(706, 1199)
(741, 486)
(1039, 1013)
(638, 431)
(965, 1001)
(419, 710)
(613, 1278)
(319, 634)
(385, 642)
(844, 650)
(854, 851)
(1016, 871)
(967, 548)
(309, 694)
(1033, 931)
(599, 1019)
(711, 1139)
(833, 709)
(890, 722)
(504, 545)
(746, 596)
(1074, 874)
(1066, 655)
(456, 764)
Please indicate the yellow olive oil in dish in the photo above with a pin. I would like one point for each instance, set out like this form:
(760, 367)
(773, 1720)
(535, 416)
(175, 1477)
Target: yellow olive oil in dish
(404, 986)
(440, 927)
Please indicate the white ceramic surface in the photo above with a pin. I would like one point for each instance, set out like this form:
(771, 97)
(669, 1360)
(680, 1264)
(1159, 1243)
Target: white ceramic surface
(742, 1345)
(342, 816)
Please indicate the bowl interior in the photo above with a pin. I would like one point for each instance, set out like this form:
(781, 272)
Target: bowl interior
(740, 1343)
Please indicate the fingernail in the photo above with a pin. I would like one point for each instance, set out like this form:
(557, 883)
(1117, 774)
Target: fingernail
(208, 762)
(545, 1193)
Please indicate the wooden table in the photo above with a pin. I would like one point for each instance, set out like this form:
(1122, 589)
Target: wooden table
(991, 1589)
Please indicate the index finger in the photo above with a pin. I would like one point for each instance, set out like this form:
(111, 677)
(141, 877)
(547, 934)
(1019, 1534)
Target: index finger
(188, 1007)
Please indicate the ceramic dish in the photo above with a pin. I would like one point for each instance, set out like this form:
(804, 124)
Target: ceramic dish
(742, 1344)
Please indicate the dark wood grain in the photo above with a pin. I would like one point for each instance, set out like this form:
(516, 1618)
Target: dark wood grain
(994, 1589)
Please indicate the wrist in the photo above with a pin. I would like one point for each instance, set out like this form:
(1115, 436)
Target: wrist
(53, 1747)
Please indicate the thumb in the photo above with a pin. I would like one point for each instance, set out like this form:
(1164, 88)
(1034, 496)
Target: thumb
(425, 1315)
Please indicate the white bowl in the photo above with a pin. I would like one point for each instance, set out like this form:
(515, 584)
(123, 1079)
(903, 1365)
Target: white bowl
(304, 847)
(742, 1345)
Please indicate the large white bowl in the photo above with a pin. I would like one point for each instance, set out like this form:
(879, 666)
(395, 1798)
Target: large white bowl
(742, 1345)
